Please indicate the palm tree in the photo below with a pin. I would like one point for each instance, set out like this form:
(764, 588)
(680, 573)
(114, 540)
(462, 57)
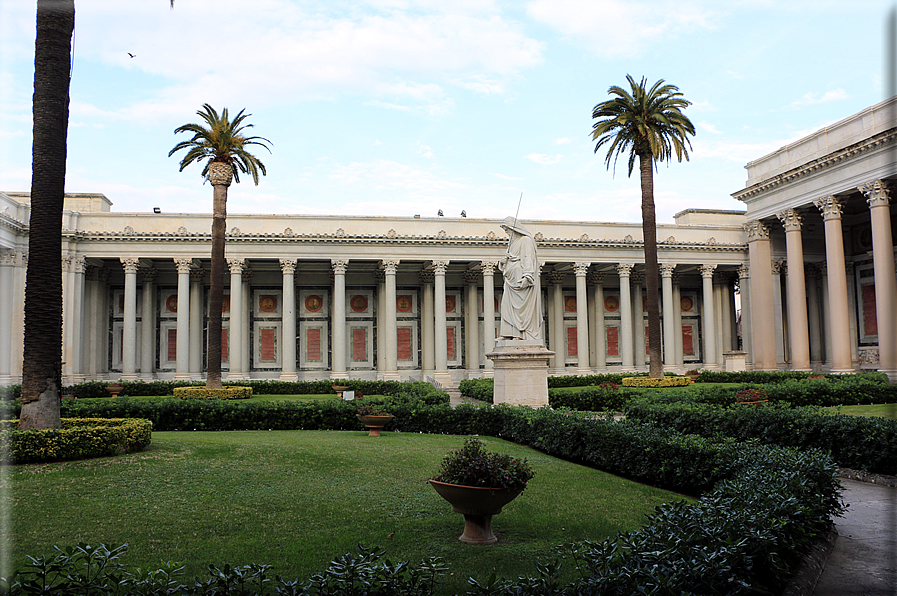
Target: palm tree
(42, 356)
(648, 124)
(222, 141)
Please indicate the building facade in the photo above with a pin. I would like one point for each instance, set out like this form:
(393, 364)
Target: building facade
(809, 267)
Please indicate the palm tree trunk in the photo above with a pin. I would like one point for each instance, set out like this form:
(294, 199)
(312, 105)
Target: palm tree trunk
(42, 357)
(652, 270)
(220, 176)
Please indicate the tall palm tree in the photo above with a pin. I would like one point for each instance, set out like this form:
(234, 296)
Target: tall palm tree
(648, 124)
(42, 356)
(223, 142)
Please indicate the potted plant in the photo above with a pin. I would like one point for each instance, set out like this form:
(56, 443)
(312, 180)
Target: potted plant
(374, 418)
(478, 483)
(693, 375)
(114, 388)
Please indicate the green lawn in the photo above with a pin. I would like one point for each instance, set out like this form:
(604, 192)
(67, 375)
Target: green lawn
(888, 411)
(298, 499)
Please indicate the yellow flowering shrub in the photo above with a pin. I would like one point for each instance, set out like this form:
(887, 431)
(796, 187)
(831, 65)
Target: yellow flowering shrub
(79, 438)
(649, 382)
(204, 393)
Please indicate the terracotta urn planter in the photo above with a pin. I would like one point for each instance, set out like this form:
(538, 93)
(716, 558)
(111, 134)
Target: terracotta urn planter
(374, 423)
(478, 505)
(114, 389)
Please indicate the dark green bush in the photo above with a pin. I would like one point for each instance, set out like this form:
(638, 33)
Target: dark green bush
(79, 438)
(779, 376)
(591, 399)
(862, 443)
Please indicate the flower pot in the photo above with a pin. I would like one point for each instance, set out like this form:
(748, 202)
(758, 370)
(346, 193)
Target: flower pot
(374, 423)
(339, 390)
(114, 389)
(478, 505)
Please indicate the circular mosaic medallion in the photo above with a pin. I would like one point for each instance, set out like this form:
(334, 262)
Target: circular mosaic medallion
(314, 303)
(268, 303)
(171, 304)
(449, 304)
(570, 303)
(611, 304)
(225, 304)
(686, 303)
(403, 303)
(358, 303)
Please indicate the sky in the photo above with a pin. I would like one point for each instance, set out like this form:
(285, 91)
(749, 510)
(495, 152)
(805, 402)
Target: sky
(405, 107)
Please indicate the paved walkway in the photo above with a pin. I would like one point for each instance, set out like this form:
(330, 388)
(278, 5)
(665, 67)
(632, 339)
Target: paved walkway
(864, 559)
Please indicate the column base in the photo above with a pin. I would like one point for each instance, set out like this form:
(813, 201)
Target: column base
(289, 377)
(336, 375)
(392, 375)
(183, 377)
(444, 378)
(124, 377)
(584, 371)
(146, 377)
(488, 373)
(237, 376)
(474, 374)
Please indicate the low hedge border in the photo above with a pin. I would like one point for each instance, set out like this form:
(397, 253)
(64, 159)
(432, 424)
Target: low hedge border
(781, 376)
(205, 393)
(862, 443)
(649, 382)
(79, 438)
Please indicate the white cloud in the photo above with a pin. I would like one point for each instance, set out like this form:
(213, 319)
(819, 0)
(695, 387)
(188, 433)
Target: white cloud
(503, 177)
(620, 27)
(708, 127)
(563, 141)
(812, 98)
(542, 159)
(702, 106)
(384, 174)
(425, 151)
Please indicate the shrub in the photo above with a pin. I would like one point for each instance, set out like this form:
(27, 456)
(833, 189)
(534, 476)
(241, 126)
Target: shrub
(206, 393)
(79, 438)
(605, 397)
(472, 465)
(649, 382)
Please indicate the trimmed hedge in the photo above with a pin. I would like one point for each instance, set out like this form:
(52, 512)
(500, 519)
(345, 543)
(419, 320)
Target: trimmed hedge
(79, 438)
(481, 389)
(859, 442)
(781, 376)
(205, 393)
(649, 382)
(590, 399)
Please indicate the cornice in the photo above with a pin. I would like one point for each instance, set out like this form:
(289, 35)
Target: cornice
(835, 158)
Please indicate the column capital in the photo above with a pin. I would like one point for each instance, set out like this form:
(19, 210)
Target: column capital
(247, 274)
(196, 275)
(488, 267)
(235, 265)
(130, 264)
(624, 269)
(791, 219)
(288, 266)
(339, 266)
(7, 257)
(472, 277)
(666, 269)
(79, 262)
(389, 266)
(556, 277)
(778, 267)
(596, 278)
(439, 267)
(184, 265)
(744, 272)
(829, 206)
(637, 277)
(707, 271)
(822, 268)
(756, 230)
(877, 193)
(427, 276)
(581, 269)
(677, 279)
(848, 268)
(149, 274)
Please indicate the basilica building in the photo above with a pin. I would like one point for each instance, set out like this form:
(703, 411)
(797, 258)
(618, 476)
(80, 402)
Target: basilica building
(803, 280)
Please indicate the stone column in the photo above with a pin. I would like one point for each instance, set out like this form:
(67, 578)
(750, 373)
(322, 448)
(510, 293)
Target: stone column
(826, 316)
(235, 331)
(391, 370)
(668, 309)
(441, 374)
(182, 366)
(288, 321)
(148, 324)
(878, 197)
(638, 319)
(427, 325)
(777, 268)
(380, 277)
(129, 337)
(815, 334)
(709, 317)
(488, 314)
(471, 318)
(762, 302)
(18, 305)
(79, 264)
(68, 283)
(556, 321)
(582, 319)
(837, 284)
(197, 323)
(7, 260)
(744, 287)
(600, 337)
(246, 317)
(799, 333)
(338, 320)
(626, 339)
(677, 319)
(852, 312)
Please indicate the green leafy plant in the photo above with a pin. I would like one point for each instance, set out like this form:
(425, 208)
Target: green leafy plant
(372, 410)
(472, 465)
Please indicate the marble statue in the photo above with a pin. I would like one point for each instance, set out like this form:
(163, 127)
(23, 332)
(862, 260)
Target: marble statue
(521, 310)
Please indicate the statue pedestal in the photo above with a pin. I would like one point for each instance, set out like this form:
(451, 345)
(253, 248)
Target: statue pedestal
(521, 372)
